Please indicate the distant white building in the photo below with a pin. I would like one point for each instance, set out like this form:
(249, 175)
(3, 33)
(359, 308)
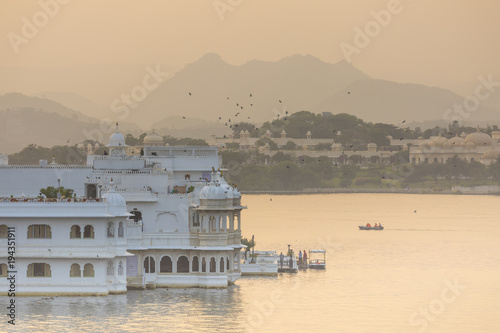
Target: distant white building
(64, 247)
(477, 146)
(185, 223)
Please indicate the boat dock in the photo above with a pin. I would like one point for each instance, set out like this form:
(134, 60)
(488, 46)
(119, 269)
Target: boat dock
(260, 263)
(269, 263)
(288, 264)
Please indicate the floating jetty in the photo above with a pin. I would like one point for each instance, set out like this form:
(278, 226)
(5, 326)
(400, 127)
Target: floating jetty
(260, 263)
(288, 264)
(270, 263)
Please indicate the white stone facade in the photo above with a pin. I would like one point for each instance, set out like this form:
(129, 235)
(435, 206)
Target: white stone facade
(64, 248)
(169, 245)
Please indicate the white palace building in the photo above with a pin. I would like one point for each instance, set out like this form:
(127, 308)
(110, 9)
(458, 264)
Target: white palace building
(165, 219)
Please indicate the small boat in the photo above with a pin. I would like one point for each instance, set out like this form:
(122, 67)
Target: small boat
(363, 227)
(315, 262)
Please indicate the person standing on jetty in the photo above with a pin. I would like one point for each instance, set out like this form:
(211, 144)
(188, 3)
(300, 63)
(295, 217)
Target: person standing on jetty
(300, 257)
(305, 257)
(282, 258)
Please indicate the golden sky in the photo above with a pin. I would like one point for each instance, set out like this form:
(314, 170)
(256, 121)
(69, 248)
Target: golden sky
(425, 41)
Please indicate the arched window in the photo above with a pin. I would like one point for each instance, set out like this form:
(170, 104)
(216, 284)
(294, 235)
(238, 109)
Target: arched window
(120, 268)
(203, 265)
(75, 232)
(111, 230)
(88, 270)
(220, 223)
(166, 265)
(149, 265)
(182, 264)
(3, 270)
(38, 270)
(75, 271)
(187, 176)
(195, 264)
(227, 263)
(4, 231)
(221, 265)
(121, 232)
(196, 220)
(39, 231)
(88, 231)
(211, 222)
(213, 265)
(111, 268)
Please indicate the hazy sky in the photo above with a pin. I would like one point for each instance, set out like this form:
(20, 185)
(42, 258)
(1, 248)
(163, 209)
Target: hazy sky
(432, 42)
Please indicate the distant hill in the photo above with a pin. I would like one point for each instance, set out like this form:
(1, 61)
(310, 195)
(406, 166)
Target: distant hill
(20, 128)
(17, 101)
(393, 103)
(196, 128)
(76, 102)
(217, 87)
(13, 101)
(300, 83)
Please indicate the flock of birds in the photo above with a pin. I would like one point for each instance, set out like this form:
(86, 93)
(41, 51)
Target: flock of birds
(239, 108)
(228, 122)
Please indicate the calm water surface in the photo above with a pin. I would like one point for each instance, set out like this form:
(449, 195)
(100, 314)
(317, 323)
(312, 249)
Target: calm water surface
(434, 269)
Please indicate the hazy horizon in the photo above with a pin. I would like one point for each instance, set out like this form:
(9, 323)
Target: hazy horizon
(445, 44)
(423, 58)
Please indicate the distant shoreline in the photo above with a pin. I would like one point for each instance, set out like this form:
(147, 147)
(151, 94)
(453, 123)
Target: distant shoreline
(372, 191)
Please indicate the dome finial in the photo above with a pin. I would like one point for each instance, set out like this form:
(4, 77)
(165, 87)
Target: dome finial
(111, 185)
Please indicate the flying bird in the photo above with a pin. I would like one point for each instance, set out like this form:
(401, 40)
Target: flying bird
(190, 94)
(250, 95)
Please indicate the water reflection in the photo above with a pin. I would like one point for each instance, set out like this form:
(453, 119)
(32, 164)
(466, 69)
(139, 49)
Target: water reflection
(374, 281)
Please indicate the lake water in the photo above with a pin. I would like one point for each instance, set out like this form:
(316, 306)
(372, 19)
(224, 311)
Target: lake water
(435, 268)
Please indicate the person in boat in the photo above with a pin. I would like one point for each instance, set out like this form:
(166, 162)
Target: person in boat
(375, 225)
(300, 257)
(305, 257)
(368, 225)
(380, 225)
(282, 258)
